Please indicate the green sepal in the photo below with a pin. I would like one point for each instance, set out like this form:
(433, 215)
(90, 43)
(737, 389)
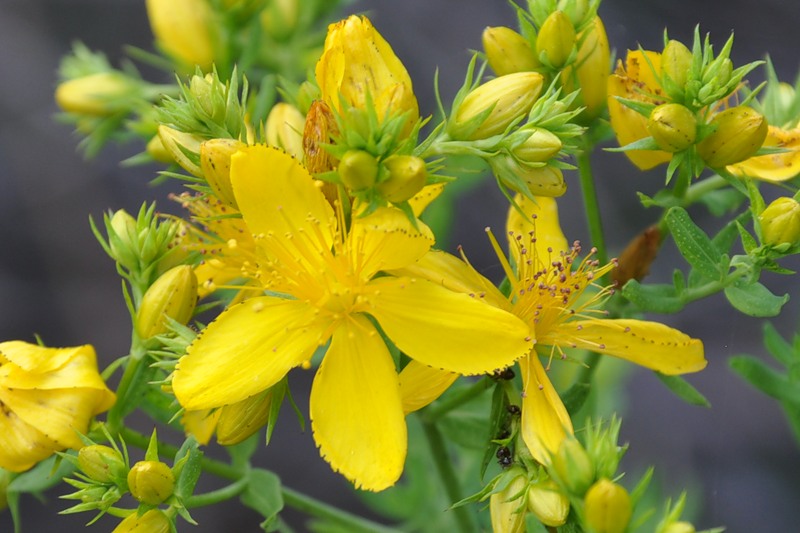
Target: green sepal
(683, 390)
(748, 242)
(755, 299)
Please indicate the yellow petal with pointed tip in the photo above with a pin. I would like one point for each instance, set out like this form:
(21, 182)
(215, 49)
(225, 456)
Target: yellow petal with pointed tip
(423, 198)
(246, 350)
(22, 446)
(545, 421)
(541, 218)
(649, 344)
(421, 384)
(445, 329)
(279, 198)
(774, 167)
(200, 424)
(355, 408)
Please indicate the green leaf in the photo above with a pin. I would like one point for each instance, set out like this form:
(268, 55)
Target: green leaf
(693, 243)
(755, 299)
(722, 201)
(748, 242)
(575, 397)
(777, 345)
(659, 298)
(765, 379)
(263, 494)
(497, 417)
(465, 429)
(683, 390)
(41, 477)
(188, 457)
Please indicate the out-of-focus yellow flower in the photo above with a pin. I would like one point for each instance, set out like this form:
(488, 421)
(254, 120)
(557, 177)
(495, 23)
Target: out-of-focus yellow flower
(773, 167)
(285, 125)
(48, 396)
(356, 62)
(549, 505)
(94, 94)
(607, 507)
(183, 30)
(327, 274)
(636, 80)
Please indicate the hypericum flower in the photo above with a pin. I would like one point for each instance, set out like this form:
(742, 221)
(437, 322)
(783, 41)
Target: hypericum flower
(356, 64)
(322, 286)
(549, 292)
(48, 396)
(183, 30)
(636, 80)
(773, 167)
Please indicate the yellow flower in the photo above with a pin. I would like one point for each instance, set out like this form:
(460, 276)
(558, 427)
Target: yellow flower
(183, 30)
(322, 286)
(548, 292)
(773, 167)
(47, 396)
(636, 80)
(356, 62)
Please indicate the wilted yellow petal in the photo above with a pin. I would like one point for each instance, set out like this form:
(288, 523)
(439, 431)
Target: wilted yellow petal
(421, 384)
(355, 408)
(545, 421)
(447, 330)
(775, 167)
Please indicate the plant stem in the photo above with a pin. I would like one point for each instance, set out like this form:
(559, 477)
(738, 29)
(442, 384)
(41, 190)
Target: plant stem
(219, 495)
(318, 509)
(591, 205)
(435, 412)
(464, 518)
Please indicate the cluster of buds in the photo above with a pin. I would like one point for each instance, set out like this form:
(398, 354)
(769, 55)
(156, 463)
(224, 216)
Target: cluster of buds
(516, 492)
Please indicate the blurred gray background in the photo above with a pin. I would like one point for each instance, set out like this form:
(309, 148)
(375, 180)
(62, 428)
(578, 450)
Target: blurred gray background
(738, 458)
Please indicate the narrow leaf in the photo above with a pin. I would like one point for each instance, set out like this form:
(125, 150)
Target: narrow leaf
(765, 379)
(683, 390)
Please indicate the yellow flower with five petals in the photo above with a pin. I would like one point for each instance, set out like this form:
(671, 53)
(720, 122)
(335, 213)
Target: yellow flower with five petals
(323, 285)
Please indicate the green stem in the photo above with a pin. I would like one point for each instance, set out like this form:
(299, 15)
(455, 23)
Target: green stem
(701, 188)
(441, 408)
(219, 495)
(318, 509)
(590, 204)
(465, 519)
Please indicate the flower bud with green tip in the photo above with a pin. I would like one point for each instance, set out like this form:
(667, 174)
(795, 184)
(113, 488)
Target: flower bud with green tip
(573, 467)
(172, 296)
(673, 127)
(151, 482)
(676, 61)
(240, 420)
(540, 146)
(98, 94)
(358, 170)
(152, 521)
(102, 463)
(529, 180)
(508, 506)
(780, 222)
(608, 507)
(123, 238)
(184, 148)
(550, 506)
(507, 51)
(407, 176)
(740, 132)
(279, 18)
(556, 40)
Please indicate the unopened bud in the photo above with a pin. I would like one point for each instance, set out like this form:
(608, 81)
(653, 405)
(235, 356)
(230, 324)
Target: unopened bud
(241, 419)
(607, 507)
(285, 125)
(183, 30)
(509, 97)
(540, 146)
(123, 238)
(358, 170)
(507, 51)
(780, 222)
(635, 260)
(676, 61)
(94, 94)
(576, 10)
(549, 505)
(589, 72)
(740, 132)
(209, 93)
(556, 39)
(679, 527)
(173, 295)
(280, 18)
(215, 162)
(152, 521)
(101, 463)
(407, 176)
(155, 149)
(151, 482)
(573, 466)
(673, 127)
(508, 506)
(183, 147)
(529, 180)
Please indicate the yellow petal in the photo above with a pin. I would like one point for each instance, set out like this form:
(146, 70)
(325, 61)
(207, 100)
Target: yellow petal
(200, 424)
(649, 344)
(452, 273)
(282, 205)
(22, 446)
(421, 384)
(775, 167)
(35, 358)
(246, 350)
(355, 408)
(542, 219)
(424, 197)
(386, 240)
(545, 421)
(445, 329)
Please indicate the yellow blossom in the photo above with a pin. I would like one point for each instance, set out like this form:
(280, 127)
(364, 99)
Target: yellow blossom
(357, 62)
(183, 30)
(48, 396)
(322, 285)
(636, 80)
(773, 167)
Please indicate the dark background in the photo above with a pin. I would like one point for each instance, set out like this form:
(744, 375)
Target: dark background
(738, 458)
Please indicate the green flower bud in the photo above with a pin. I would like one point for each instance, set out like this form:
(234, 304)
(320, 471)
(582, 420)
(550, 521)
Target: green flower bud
(507, 51)
(573, 466)
(740, 132)
(673, 127)
(94, 94)
(540, 146)
(607, 507)
(679, 527)
(177, 144)
(173, 295)
(285, 125)
(508, 506)
(209, 93)
(407, 176)
(780, 222)
(549, 505)
(279, 19)
(153, 521)
(123, 238)
(151, 482)
(155, 149)
(101, 463)
(215, 162)
(676, 61)
(576, 10)
(509, 97)
(556, 39)
(241, 419)
(358, 170)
